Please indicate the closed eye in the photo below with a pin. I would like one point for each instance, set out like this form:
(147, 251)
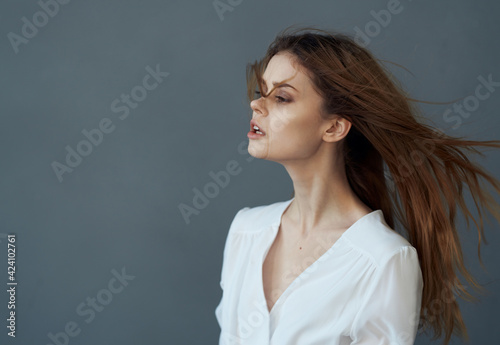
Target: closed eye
(279, 98)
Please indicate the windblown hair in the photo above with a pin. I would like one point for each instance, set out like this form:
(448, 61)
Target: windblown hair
(394, 162)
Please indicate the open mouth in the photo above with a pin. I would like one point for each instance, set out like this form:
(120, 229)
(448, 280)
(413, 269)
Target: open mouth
(257, 130)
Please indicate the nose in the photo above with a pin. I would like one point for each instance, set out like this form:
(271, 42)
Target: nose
(257, 106)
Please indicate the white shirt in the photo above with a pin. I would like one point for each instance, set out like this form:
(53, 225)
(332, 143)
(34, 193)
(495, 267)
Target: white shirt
(365, 289)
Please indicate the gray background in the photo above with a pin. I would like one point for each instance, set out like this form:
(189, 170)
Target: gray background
(120, 206)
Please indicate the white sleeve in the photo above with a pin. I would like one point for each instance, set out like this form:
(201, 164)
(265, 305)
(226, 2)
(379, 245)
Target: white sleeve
(219, 310)
(389, 310)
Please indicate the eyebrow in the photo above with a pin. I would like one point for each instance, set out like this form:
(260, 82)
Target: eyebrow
(282, 85)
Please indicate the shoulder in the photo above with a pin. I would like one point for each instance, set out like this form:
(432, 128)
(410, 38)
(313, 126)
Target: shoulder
(254, 219)
(375, 239)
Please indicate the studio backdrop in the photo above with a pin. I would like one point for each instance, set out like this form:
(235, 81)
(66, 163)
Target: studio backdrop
(123, 146)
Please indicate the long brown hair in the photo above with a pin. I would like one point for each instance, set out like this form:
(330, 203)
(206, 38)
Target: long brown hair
(395, 162)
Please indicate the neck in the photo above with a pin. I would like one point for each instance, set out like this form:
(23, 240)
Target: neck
(323, 198)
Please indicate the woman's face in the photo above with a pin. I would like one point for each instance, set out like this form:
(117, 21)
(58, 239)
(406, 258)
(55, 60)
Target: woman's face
(289, 117)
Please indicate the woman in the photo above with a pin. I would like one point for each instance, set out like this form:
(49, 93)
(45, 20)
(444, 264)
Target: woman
(327, 266)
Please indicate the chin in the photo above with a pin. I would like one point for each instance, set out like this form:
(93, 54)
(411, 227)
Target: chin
(257, 153)
(256, 148)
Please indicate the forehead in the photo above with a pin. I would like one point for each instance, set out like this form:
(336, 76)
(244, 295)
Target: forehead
(282, 67)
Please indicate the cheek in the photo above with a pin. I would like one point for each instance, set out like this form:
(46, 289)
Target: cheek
(280, 122)
(298, 135)
(292, 125)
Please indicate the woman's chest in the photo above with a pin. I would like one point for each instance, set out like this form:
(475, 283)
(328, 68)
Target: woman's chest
(288, 259)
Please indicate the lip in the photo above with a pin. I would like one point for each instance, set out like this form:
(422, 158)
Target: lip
(254, 123)
(253, 135)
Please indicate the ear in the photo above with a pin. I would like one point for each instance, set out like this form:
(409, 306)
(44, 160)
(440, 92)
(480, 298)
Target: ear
(336, 129)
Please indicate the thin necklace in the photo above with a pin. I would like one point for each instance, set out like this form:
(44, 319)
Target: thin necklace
(300, 240)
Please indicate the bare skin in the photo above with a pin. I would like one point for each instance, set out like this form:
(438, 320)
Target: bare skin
(289, 256)
(307, 145)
